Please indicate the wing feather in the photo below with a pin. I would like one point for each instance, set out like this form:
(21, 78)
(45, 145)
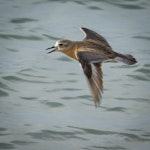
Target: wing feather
(94, 77)
(91, 57)
(94, 36)
(96, 83)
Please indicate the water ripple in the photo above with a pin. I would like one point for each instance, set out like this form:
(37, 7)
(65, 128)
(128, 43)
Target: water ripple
(6, 146)
(142, 37)
(109, 147)
(3, 132)
(127, 4)
(139, 77)
(51, 37)
(20, 79)
(134, 99)
(18, 142)
(120, 109)
(30, 73)
(126, 136)
(5, 87)
(29, 98)
(12, 50)
(144, 72)
(64, 59)
(2, 93)
(64, 89)
(94, 8)
(55, 135)
(22, 20)
(52, 104)
(76, 97)
(79, 2)
(3, 129)
(20, 37)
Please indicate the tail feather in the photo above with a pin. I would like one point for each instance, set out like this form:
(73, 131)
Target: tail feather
(127, 59)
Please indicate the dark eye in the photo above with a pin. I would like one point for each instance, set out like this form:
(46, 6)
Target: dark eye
(61, 44)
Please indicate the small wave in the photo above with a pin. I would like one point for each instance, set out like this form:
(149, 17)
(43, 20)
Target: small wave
(29, 98)
(126, 136)
(139, 77)
(5, 87)
(18, 142)
(142, 37)
(94, 8)
(64, 59)
(119, 109)
(22, 20)
(55, 135)
(52, 104)
(6, 146)
(21, 79)
(51, 37)
(20, 37)
(133, 99)
(127, 4)
(2, 93)
(109, 147)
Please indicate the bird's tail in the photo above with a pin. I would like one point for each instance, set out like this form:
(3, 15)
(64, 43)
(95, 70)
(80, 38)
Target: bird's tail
(127, 59)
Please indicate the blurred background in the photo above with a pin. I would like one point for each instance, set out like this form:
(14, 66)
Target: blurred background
(45, 102)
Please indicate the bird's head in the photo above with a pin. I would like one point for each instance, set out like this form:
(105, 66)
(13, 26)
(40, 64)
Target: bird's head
(61, 45)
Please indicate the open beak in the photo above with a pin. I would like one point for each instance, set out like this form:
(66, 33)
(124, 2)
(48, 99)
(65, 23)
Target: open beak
(53, 49)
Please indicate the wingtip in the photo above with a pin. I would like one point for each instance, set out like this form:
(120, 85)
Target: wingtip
(83, 28)
(83, 31)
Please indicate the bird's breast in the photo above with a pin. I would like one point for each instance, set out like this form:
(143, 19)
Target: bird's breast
(71, 53)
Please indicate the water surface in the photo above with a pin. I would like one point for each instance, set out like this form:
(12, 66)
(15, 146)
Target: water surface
(45, 102)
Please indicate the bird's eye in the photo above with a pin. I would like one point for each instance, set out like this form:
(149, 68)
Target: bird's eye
(61, 44)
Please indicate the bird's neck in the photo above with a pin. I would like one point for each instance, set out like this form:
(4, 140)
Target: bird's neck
(71, 51)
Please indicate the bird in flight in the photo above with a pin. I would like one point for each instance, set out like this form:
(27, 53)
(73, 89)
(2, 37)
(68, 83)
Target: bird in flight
(91, 52)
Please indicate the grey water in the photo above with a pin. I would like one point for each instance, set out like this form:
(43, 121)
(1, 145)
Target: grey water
(45, 102)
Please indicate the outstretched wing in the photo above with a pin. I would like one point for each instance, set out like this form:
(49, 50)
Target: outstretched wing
(94, 77)
(91, 57)
(94, 36)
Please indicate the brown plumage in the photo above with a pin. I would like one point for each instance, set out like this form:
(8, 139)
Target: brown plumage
(91, 52)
